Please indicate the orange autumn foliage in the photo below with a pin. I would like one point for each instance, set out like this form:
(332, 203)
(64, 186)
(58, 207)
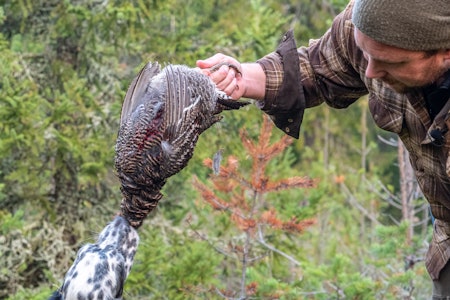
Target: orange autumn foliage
(269, 217)
(243, 223)
(239, 195)
(251, 288)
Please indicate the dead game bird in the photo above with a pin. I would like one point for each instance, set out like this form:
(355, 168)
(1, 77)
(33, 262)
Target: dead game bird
(163, 114)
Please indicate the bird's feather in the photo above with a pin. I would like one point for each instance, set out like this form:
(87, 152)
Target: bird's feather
(178, 98)
(135, 95)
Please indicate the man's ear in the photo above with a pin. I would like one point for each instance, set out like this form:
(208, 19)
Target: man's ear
(447, 58)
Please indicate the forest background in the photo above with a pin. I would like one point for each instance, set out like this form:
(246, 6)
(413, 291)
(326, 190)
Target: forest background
(343, 218)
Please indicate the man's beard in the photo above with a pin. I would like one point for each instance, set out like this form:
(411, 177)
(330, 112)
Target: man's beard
(404, 88)
(397, 86)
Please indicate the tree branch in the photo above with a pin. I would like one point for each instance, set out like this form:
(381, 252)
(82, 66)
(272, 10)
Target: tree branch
(270, 247)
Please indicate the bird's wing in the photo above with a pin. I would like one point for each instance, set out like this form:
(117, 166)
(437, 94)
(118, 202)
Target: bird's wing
(178, 98)
(137, 89)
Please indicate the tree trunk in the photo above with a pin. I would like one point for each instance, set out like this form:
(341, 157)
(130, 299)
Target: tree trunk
(408, 187)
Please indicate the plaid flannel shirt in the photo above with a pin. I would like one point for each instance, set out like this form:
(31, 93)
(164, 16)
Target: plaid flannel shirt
(332, 70)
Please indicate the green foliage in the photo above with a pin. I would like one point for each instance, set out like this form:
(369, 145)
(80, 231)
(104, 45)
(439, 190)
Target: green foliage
(65, 68)
(11, 222)
(32, 251)
(40, 293)
(170, 265)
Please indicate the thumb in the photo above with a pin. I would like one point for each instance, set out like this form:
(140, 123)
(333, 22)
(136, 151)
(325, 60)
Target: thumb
(203, 64)
(211, 61)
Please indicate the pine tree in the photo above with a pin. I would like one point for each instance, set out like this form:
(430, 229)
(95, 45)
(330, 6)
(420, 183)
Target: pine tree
(243, 200)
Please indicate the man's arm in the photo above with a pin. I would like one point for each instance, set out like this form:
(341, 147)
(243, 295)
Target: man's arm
(291, 79)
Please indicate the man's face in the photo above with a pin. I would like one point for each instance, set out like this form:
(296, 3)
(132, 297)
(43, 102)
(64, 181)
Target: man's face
(399, 68)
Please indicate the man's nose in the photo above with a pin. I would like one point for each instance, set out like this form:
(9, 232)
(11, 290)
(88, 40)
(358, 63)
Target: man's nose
(374, 70)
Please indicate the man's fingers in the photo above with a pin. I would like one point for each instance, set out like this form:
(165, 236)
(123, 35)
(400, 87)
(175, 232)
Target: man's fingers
(225, 76)
(225, 72)
(211, 61)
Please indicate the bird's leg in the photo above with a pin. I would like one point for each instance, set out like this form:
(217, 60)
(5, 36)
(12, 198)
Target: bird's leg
(230, 65)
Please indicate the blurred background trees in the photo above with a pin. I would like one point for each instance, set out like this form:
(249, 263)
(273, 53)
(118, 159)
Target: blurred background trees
(65, 68)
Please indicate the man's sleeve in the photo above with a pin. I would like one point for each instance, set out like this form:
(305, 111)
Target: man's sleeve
(298, 78)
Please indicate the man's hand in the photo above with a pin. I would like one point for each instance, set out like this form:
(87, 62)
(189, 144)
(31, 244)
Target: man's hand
(226, 72)
(235, 79)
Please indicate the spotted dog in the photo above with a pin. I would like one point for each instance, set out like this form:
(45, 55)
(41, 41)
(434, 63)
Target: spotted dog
(100, 269)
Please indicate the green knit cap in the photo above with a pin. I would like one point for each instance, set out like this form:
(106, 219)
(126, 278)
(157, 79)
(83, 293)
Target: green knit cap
(418, 25)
